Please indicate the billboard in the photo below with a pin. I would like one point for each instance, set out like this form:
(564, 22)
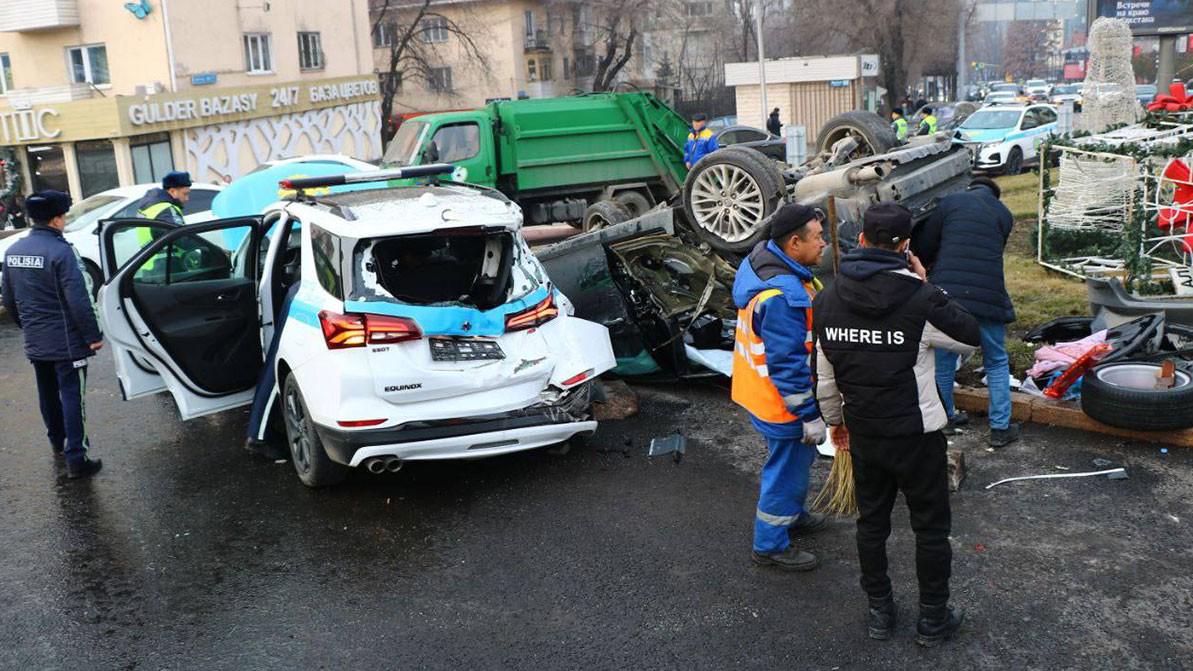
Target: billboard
(1151, 17)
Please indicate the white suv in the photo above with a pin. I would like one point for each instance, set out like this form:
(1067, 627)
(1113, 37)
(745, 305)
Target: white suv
(411, 323)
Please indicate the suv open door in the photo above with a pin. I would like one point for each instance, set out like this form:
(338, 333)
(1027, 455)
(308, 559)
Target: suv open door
(179, 306)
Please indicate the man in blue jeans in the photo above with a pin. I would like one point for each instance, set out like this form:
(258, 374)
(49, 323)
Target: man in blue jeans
(962, 246)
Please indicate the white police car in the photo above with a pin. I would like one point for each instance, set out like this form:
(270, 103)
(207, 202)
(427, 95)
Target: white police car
(421, 327)
(1005, 137)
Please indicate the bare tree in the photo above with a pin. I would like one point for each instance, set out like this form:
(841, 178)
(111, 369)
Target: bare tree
(1025, 54)
(404, 27)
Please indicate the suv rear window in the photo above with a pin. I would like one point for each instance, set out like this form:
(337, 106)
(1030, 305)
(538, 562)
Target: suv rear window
(476, 268)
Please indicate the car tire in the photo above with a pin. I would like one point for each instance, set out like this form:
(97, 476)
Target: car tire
(760, 190)
(1115, 394)
(93, 277)
(1014, 164)
(604, 213)
(874, 135)
(311, 462)
(634, 202)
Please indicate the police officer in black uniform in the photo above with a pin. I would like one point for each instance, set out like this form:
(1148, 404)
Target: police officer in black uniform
(45, 293)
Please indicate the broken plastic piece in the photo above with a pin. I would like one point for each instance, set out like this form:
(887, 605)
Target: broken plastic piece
(1112, 474)
(673, 445)
(1099, 462)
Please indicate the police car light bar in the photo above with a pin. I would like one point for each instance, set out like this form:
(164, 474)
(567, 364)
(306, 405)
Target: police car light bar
(300, 183)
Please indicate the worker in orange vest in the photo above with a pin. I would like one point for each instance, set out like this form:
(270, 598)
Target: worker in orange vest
(772, 378)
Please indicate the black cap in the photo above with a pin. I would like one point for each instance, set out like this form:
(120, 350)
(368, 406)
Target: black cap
(45, 205)
(699, 116)
(790, 218)
(176, 179)
(898, 110)
(886, 224)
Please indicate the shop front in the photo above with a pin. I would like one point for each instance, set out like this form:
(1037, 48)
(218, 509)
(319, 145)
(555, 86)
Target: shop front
(88, 146)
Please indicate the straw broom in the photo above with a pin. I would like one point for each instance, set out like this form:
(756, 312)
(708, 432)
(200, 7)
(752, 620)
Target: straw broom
(838, 496)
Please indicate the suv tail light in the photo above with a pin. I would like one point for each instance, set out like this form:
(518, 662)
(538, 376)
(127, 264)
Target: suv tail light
(354, 330)
(536, 316)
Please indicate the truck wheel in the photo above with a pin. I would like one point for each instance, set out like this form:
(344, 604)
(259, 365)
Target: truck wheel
(1122, 394)
(604, 213)
(728, 196)
(634, 202)
(314, 467)
(874, 136)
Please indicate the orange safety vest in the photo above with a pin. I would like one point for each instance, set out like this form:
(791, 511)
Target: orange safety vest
(752, 388)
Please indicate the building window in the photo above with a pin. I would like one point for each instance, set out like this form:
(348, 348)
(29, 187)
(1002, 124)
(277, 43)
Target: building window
(585, 64)
(5, 74)
(702, 8)
(567, 68)
(97, 166)
(256, 53)
(532, 72)
(384, 35)
(47, 167)
(545, 70)
(529, 19)
(152, 157)
(89, 64)
(441, 79)
(435, 30)
(310, 51)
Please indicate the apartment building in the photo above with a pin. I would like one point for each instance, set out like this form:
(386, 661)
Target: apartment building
(96, 94)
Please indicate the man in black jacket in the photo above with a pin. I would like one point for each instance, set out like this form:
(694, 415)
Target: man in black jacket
(962, 246)
(876, 328)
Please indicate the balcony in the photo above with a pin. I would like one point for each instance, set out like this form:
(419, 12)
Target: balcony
(539, 41)
(18, 16)
(540, 89)
(45, 95)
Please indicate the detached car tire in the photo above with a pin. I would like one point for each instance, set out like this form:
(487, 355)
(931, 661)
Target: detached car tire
(1118, 394)
(311, 462)
(604, 213)
(873, 133)
(729, 196)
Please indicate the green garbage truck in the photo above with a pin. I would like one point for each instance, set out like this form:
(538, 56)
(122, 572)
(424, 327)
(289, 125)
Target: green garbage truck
(590, 159)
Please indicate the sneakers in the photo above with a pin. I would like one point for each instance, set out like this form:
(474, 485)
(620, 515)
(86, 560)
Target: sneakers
(882, 617)
(1004, 437)
(84, 469)
(959, 420)
(790, 559)
(809, 523)
(937, 624)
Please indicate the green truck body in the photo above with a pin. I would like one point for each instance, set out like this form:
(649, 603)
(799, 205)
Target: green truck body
(556, 156)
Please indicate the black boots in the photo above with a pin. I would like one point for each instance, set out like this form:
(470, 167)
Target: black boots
(882, 617)
(1004, 437)
(790, 559)
(809, 523)
(937, 624)
(84, 469)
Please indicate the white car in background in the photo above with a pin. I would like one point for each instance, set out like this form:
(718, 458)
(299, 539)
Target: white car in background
(411, 323)
(1003, 138)
(118, 203)
(1037, 89)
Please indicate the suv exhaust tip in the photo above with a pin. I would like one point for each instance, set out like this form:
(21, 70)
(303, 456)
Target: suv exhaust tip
(376, 465)
(393, 464)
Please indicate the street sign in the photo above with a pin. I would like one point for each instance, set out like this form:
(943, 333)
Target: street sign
(1154, 17)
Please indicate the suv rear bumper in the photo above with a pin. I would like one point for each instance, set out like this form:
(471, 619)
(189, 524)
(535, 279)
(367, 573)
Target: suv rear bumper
(466, 438)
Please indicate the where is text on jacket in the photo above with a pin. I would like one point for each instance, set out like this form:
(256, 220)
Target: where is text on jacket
(875, 327)
(962, 245)
(781, 323)
(45, 294)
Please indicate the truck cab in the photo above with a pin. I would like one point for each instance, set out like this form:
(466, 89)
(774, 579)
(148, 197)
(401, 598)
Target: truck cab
(463, 139)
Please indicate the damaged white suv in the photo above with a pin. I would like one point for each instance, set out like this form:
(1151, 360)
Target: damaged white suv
(392, 323)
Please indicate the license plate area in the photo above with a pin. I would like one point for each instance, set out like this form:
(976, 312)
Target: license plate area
(464, 349)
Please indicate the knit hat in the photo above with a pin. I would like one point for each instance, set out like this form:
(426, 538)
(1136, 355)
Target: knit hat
(790, 218)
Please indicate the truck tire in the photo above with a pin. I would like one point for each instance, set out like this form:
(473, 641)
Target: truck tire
(604, 213)
(873, 134)
(634, 202)
(1119, 394)
(732, 221)
(311, 462)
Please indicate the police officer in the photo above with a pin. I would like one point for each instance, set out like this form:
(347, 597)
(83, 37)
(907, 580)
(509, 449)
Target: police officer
(899, 124)
(772, 378)
(927, 123)
(45, 293)
(165, 204)
(875, 330)
(701, 141)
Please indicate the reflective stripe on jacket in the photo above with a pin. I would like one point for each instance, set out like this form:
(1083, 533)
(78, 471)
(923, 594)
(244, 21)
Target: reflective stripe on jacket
(752, 387)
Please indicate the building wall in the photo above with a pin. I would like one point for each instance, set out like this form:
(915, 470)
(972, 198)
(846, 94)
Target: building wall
(807, 104)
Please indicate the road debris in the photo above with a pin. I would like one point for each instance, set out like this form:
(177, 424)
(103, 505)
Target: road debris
(618, 402)
(673, 445)
(956, 460)
(1111, 474)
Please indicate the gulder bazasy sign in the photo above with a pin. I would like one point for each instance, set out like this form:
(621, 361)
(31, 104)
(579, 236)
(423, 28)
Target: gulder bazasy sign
(279, 100)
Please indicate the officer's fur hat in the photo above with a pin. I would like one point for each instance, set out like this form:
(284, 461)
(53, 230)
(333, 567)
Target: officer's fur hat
(176, 179)
(45, 205)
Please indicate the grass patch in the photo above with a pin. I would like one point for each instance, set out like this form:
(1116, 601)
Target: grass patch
(1021, 193)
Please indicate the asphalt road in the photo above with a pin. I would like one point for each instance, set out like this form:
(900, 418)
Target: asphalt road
(188, 553)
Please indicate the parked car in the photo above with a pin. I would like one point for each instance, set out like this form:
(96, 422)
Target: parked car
(723, 121)
(83, 218)
(999, 88)
(1145, 93)
(756, 138)
(1002, 98)
(1005, 137)
(1066, 93)
(1037, 89)
(420, 326)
